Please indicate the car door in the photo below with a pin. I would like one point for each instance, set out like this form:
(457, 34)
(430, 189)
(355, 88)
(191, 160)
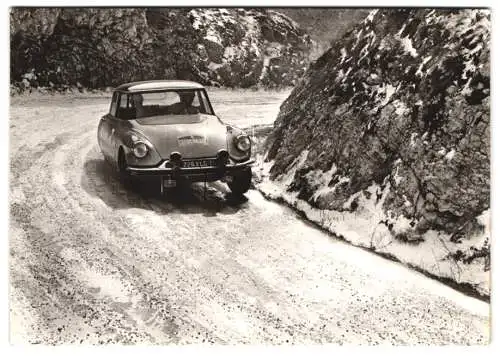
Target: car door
(106, 129)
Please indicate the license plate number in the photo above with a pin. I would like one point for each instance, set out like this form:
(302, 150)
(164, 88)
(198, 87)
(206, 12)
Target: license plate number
(199, 163)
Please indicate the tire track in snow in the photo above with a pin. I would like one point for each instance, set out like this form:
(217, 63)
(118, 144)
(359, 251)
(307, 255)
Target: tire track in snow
(95, 263)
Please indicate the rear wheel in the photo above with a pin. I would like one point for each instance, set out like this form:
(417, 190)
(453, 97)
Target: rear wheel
(241, 182)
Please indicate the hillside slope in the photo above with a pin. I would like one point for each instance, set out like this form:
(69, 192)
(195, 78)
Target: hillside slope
(98, 47)
(325, 25)
(386, 140)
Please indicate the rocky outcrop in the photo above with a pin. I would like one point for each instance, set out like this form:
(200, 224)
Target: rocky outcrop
(396, 112)
(105, 47)
(243, 47)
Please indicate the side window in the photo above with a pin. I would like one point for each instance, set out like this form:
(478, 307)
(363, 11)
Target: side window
(124, 111)
(123, 101)
(114, 104)
(200, 103)
(202, 97)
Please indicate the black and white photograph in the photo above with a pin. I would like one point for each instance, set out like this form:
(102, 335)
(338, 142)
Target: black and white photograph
(211, 175)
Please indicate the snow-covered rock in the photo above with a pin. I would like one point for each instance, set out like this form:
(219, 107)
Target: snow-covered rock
(102, 47)
(400, 106)
(251, 47)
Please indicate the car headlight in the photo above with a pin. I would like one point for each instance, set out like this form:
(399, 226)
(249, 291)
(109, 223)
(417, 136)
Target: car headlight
(140, 149)
(243, 143)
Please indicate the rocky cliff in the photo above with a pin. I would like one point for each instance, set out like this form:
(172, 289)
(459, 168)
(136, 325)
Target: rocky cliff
(392, 124)
(99, 47)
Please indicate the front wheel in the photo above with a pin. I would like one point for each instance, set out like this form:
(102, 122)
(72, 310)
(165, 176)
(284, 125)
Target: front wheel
(241, 182)
(125, 177)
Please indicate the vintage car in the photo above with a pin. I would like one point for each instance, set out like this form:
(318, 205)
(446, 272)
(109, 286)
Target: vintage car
(168, 129)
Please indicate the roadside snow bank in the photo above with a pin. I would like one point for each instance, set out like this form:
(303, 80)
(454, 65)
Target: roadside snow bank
(369, 227)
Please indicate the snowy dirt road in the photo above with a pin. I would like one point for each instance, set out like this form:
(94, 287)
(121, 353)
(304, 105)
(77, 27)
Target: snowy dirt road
(91, 262)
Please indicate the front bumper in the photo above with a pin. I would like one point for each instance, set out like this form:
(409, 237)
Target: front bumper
(192, 173)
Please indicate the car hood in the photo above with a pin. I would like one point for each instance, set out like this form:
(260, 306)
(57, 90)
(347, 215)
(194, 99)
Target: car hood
(192, 136)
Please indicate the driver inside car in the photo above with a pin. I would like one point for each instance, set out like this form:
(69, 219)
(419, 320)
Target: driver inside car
(137, 100)
(185, 105)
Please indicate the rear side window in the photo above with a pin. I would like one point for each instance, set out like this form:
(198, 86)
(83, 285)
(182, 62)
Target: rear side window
(125, 109)
(202, 101)
(114, 104)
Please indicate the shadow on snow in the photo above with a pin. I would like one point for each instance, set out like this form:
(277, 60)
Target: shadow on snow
(100, 180)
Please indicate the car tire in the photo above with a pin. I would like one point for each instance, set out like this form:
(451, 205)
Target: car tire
(241, 182)
(124, 175)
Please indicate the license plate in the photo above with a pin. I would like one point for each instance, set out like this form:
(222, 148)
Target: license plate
(199, 163)
(169, 183)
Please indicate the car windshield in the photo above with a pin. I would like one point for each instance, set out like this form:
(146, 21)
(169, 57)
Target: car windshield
(168, 102)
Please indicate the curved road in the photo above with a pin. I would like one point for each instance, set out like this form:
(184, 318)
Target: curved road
(93, 263)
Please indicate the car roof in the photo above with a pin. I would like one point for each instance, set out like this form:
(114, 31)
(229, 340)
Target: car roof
(157, 85)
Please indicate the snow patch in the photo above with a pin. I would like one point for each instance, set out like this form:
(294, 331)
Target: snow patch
(485, 220)
(401, 30)
(345, 75)
(358, 35)
(214, 66)
(449, 156)
(213, 37)
(21, 319)
(370, 16)
(387, 91)
(321, 180)
(424, 61)
(397, 178)
(108, 286)
(413, 139)
(401, 108)
(408, 46)
(17, 196)
(343, 53)
(293, 167)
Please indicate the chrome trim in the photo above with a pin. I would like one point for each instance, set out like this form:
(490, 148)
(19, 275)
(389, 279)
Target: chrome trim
(160, 169)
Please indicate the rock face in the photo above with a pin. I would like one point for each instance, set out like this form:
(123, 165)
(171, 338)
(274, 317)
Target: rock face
(403, 102)
(106, 47)
(243, 47)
